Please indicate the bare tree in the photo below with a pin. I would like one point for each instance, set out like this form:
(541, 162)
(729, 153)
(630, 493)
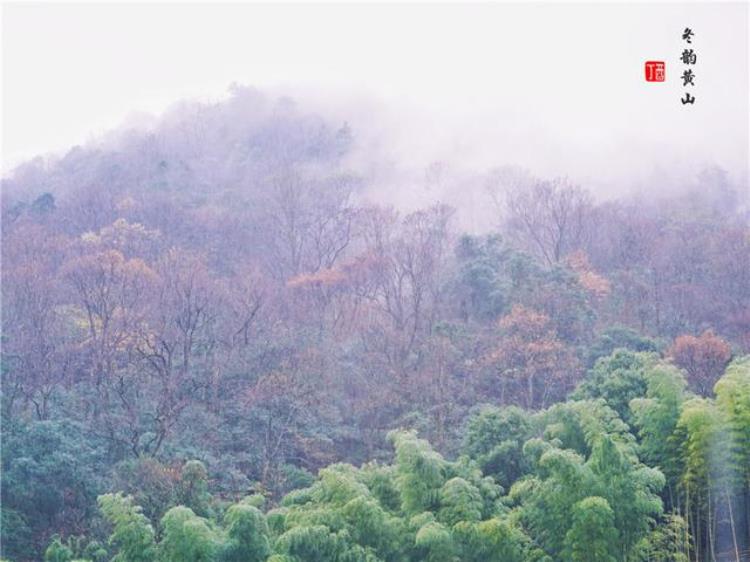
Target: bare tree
(407, 280)
(38, 349)
(548, 218)
(308, 222)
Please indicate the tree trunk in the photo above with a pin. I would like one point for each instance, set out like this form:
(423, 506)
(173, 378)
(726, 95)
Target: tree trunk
(731, 522)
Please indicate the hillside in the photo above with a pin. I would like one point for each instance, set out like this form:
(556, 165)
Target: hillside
(210, 320)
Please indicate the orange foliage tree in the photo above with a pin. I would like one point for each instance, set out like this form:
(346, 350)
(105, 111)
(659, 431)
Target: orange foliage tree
(703, 358)
(531, 359)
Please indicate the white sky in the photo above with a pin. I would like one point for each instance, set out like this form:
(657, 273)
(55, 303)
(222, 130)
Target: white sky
(556, 87)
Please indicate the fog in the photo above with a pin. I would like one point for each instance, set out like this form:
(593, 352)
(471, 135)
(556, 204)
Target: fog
(557, 89)
(302, 283)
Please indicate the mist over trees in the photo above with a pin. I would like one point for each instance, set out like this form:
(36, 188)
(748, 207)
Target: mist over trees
(220, 344)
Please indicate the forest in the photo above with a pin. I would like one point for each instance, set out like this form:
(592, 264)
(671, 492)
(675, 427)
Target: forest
(219, 345)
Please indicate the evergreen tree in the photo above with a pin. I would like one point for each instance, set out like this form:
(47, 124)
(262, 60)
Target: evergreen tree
(186, 537)
(132, 533)
(592, 536)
